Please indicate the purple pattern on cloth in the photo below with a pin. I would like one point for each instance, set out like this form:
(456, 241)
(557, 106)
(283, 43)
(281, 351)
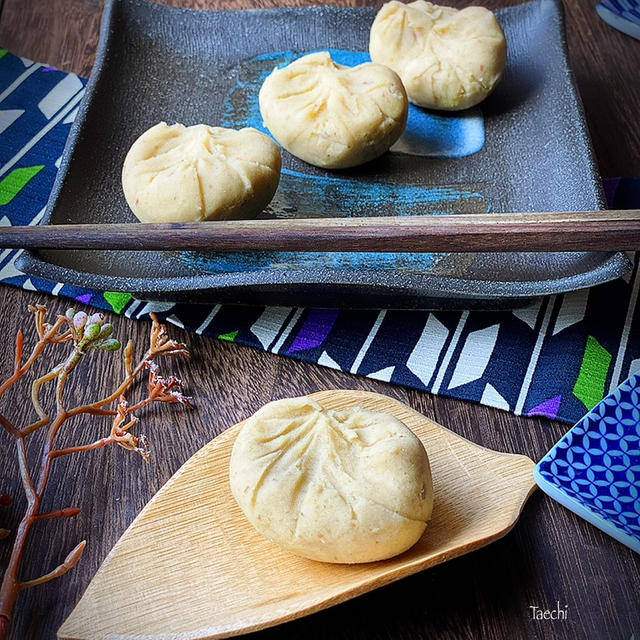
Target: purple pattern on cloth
(610, 186)
(84, 298)
(548, 408)
(315, 329)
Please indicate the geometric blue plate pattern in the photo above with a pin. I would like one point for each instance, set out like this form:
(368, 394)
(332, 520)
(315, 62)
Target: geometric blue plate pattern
(623, 15)
(594, 470)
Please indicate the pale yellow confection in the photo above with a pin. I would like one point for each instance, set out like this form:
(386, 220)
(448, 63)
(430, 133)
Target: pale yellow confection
(174, 173)
(447, 58)
(334, 116)
(335, 486)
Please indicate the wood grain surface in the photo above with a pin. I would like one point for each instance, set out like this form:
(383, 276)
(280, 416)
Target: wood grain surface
(551, 555)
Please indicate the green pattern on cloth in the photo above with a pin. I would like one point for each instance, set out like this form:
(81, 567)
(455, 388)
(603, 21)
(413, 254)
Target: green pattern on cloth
(12, 184)
(589, 387)
(229, 336)
(117, 299)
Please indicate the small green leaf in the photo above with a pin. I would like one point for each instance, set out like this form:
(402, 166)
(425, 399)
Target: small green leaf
(109, 345)
(106, 331)
(91, 331)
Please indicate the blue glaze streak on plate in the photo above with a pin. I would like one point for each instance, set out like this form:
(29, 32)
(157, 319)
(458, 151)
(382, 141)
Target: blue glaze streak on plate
(289, 260)
(303, 195)
(441, 136)
(332, 195)
(428, 133)
(312, 195)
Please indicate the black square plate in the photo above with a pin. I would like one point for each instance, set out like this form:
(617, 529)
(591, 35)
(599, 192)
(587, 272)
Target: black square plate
(158, 63)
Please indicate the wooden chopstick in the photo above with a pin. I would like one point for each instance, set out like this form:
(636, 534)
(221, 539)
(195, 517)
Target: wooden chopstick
(547, 231)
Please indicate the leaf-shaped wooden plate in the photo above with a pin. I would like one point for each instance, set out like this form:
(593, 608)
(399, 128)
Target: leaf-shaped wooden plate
(191, 567)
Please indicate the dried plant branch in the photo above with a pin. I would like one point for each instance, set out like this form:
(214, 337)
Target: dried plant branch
(86, 333)
(35, 401)
(48, 334)
(67, 512)
(17, 359)
(25, 474)
(128, 358)
(159, 344)
(69, 562)
(8, 426)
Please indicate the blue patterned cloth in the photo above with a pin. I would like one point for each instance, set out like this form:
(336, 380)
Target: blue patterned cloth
(557, 358)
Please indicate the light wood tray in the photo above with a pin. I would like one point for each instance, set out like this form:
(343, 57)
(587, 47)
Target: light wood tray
(190, 566)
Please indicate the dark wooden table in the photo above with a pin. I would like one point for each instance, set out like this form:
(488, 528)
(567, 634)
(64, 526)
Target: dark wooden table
(551, 557)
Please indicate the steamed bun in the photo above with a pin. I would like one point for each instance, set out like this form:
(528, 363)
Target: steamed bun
(447, 58)
(334, 116)
(335, 486)
(174, 173)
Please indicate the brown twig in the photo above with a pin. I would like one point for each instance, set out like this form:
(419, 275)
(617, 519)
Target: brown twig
(48, 335)
(86, 333)
(67, 512)
(69, 562)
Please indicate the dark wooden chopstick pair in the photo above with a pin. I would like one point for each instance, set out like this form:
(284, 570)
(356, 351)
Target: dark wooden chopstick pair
(546, 231)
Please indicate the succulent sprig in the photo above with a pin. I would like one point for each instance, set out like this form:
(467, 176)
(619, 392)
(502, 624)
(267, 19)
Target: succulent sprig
(86, 333)
(91, 331)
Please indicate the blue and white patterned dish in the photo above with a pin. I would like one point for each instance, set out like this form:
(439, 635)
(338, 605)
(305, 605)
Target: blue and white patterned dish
(594, 470)
(623, 15)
